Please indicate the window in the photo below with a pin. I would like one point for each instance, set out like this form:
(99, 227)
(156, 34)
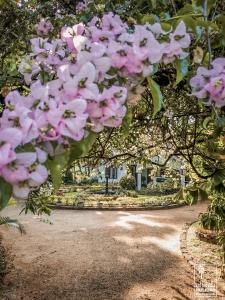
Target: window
(114, 173)
(133, 170)
(111, 172)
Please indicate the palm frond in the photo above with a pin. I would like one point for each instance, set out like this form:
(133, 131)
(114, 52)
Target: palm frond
(13, 223)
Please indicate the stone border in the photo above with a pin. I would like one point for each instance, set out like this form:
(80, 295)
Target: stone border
(190, 259)
(116, 208)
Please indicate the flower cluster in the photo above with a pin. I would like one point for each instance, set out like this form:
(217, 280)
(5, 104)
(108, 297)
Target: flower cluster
(44, 27)
(81, 6)
(209, 84)
(78, 83)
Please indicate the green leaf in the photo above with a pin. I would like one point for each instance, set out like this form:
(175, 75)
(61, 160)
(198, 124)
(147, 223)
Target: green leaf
(180, 195)
(192, 197)
(220, 122)
(156, 95)
(127, 121)
(207, 24)
(210, 3)
(25, 148)
(5, 193)
(189, 21)
(56, 165)
(218, 178)
(149, 19)
(165, 26)
(187, 9)
(81, 148)
(221, 21)
(203, 195)
(206, 122)
(206, 60)
(153, 3)
(182, 70)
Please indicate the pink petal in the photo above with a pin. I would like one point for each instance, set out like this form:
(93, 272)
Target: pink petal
(21, 192)
(11, 135)
(40, 175)
(26, 158)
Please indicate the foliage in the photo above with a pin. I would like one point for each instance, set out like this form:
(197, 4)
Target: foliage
(128, 182)
(68, 177)
(84, 199)
(167, 186)
(37, 202)
(86, 180)
(130, 193)
(214, 218)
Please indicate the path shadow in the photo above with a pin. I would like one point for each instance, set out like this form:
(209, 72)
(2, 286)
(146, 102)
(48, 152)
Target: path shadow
(124, 257)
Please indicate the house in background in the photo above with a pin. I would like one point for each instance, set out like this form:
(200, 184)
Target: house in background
(114, 173)
(142, 174)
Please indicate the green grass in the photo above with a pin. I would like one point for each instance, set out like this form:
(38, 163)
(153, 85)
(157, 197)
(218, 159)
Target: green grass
(82, 198)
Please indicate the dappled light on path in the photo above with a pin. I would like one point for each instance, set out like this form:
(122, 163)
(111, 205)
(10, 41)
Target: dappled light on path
(91, 255)
(125, 221)
(167, 239)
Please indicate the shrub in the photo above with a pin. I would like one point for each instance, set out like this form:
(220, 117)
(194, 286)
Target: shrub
(132, 194)
(167, 186)
(128, 182)
(154, 187)
(214, 218)
(68, 177)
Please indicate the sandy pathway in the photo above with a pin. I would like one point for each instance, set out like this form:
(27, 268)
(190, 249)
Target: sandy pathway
(91, 255)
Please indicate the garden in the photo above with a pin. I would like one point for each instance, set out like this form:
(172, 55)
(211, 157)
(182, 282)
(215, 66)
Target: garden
(117, 196)
(112, 123)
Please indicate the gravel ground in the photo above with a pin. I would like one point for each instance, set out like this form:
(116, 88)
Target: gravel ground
(93, 255)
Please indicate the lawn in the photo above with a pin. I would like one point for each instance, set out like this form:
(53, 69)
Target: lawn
(128, 198)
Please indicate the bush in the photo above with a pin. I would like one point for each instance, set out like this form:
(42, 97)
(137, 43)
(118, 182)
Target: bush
(214, 218)
(167, 186)
(128, 182)
(132, 194)
(153, 187)
(68, 177)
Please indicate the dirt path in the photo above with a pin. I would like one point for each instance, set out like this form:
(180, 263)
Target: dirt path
(91, 255)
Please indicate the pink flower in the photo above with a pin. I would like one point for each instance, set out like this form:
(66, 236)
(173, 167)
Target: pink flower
(74, 84)
(25, 173)
(113, 23)
(180, 34)
(67, 34)
(7, 154)
(14, 174)
(37, 45)
(73, 120)
(179, 40)
(109, 111)
(146, 46)
(38, 176)
(83, 83)
(81, 6)
(210, 84)
(21, 191)
(41, 155)
(44, 27)
(12, 136)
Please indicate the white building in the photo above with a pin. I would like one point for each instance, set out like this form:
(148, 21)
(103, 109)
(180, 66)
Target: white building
(142, 174)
